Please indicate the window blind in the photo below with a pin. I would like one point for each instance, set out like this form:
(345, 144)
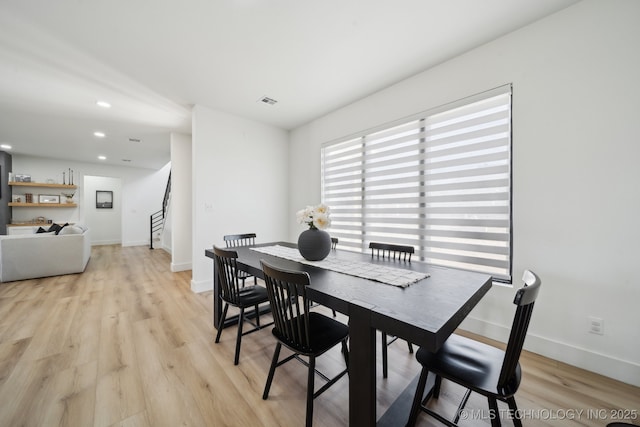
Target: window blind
(439, 181)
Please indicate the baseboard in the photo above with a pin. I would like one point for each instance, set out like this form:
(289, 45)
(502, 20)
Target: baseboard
(203, 286)
(136, 243)
(182, 266)
(609, 366)
(105, 242)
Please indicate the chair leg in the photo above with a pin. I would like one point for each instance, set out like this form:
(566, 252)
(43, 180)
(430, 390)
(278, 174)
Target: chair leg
(310, 385)
(493, 410)
(239, 338)
(384, 355)
(223, 317)
(410, 347)
(345, 353)
(255, 280)
(514, 410)
(417, 399)
(334, 313)
(272, 370)
(436, 386)
(257, 317)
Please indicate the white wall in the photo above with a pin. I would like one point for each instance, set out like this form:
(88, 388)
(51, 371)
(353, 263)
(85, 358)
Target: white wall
(142, 195)
(142, 190)
(181, 201)
(239, 184)
(105, 224)
(575, 175)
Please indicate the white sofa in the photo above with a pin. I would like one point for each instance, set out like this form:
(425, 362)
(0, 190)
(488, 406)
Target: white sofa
(29, 256)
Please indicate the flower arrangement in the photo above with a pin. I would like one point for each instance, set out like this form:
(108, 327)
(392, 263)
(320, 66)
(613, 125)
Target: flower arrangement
(69, 197)
(316, 217)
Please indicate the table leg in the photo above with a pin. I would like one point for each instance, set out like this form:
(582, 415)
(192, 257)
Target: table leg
(362, 368)
(217, 302)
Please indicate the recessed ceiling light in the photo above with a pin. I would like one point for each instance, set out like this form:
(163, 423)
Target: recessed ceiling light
(5, 147)
(103, 104)
(99, 134)
(102, 158)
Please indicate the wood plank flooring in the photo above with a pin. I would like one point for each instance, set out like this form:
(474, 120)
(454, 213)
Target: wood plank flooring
(128, 344)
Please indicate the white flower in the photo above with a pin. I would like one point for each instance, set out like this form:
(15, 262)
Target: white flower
(305, 216)
(321, 221)
(314, 216)
(321, 209)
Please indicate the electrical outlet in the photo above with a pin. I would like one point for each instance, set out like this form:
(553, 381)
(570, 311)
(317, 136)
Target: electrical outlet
(596, 325)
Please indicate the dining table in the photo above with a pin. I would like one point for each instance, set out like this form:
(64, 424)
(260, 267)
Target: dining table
(424, 313)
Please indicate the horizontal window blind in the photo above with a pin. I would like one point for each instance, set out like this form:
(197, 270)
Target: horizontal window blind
(439, 181)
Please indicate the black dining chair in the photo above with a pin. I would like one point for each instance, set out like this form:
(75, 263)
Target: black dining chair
(233, 294)
(479, 367)
(235, 240)
(395, 252)
(302, 331)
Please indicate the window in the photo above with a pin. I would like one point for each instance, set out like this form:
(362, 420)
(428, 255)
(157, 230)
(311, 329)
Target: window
(439, 181)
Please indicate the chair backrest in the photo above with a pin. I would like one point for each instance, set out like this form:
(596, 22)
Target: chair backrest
(289, 304)
(334, 242)
(391, 251)
(235, 240)
(524, 300)
(226, 268)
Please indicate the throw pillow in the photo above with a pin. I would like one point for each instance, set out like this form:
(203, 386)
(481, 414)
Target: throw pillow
(71, 229)
(62, 227)
(55, 227)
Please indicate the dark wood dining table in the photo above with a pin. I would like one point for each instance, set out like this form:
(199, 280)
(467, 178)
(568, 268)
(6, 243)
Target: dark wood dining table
(425, 313)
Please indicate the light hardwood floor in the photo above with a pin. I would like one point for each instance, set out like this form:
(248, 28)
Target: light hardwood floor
(128, 344)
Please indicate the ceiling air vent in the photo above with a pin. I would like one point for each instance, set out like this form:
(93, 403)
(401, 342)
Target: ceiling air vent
(267, 100)
(134, 140)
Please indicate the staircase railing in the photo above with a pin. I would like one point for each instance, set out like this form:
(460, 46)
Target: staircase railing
(156, 219)
(167, 193)
(156, 222)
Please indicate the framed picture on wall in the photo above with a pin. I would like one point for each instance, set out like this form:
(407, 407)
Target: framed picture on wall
(104, 199)
(48, 198)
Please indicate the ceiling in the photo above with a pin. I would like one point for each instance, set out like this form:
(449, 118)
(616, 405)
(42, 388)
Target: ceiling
(152, 60)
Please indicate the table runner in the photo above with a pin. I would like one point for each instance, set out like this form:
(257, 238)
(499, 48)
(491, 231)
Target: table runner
(366, 270)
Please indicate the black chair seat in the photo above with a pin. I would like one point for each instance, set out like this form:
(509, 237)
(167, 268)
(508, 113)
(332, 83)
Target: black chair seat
(476, 364)
(324, 333)
(242, 274)
(252, 295)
